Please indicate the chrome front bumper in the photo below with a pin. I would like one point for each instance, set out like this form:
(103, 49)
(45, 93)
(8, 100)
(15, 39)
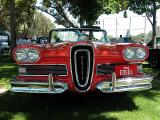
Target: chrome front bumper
(50, 87)
(125, 84)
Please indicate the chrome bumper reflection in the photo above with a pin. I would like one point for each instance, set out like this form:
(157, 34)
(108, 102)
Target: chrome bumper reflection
(125, 84)
(38, 87)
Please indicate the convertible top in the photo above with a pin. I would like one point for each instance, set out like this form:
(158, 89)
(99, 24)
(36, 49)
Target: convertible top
(83, 28)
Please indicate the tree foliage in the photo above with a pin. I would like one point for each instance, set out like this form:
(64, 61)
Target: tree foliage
(21, 12)
(41, 25)
(17, 16)
(84, 11)
(24, 12)
(4, 16)
(58, 12)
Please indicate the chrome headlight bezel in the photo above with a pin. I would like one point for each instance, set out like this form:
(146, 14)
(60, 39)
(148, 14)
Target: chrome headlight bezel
(141, 53)
(21, 54)
(33, 54)
(129, 53)
(135, 53)
(28, 54)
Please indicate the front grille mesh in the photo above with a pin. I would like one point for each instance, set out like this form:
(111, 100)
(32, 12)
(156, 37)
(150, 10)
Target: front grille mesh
(44, 69)
(82, 66)
(103, 69)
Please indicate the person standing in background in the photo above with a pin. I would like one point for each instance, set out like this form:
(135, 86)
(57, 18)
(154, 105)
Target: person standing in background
(121, 40)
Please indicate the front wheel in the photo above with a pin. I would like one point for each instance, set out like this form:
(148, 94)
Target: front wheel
(153, 62)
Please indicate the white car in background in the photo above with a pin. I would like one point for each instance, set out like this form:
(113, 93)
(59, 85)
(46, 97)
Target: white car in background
(4, 46)
(23, 41)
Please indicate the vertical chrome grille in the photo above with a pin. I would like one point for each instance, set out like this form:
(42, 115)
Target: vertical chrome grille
(82, 66)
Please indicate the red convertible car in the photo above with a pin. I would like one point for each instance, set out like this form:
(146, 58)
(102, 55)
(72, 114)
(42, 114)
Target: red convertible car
(80, 60)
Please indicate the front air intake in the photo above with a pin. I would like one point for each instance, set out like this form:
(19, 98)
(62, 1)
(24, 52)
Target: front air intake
(82, 66)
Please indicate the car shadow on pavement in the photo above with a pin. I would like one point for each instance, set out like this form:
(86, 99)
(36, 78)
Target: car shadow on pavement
(70, 106)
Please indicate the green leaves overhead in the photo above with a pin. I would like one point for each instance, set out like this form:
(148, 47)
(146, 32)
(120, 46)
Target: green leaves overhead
(86, 11)
(4, 19)
(41, 25)
(90, 10)
(144, 6)
(24, 11)
(115, 6)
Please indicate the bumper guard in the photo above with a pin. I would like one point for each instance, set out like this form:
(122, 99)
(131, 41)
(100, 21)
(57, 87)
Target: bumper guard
(38, 87)
(125, 84)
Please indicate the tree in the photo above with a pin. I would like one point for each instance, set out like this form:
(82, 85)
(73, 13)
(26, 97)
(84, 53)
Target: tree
(12, 23)
(84, 11)
(149, 7)
(24, 13)
(41, 25)
(4, 19)
(14, 13)
(21, 12)
(57, 11)
(149, 36)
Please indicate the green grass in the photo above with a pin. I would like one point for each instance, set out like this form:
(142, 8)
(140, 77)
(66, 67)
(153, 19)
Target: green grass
(143, 105)
(7, 70)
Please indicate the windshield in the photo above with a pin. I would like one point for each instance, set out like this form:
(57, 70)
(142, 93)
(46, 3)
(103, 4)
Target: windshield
(76, 35)
(3, 38)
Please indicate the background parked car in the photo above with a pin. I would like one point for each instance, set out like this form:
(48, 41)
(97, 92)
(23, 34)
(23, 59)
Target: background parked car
(42, 40)
(154, 54)
(4, 43)
(23, 41)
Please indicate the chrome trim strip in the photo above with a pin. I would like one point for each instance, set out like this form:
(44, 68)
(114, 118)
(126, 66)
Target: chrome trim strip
(42, 64)
(37, 90)
(13, 82)
(38, 75)
(38, 87)
(28, 83)
(32, 75)
(126, 84)
(87, 77)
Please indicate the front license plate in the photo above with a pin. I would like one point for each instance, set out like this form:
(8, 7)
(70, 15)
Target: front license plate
(126, 70)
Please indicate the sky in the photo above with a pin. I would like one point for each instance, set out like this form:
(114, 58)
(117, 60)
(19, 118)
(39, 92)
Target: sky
(137, 23)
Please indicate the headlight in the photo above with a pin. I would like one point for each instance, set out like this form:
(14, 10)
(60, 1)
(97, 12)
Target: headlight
(129, 53)
(140, 53)
(21, 54)
(27, 55)
(33, 54)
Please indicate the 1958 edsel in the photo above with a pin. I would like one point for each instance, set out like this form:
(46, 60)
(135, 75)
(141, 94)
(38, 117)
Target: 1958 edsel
(80, 60)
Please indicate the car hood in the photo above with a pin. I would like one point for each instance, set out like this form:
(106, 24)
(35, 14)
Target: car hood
(103, 53)
(100, 49)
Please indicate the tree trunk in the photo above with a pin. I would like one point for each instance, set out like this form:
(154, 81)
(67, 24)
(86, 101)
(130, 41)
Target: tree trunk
(154, 25)
(81, 21)
(12, 24)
